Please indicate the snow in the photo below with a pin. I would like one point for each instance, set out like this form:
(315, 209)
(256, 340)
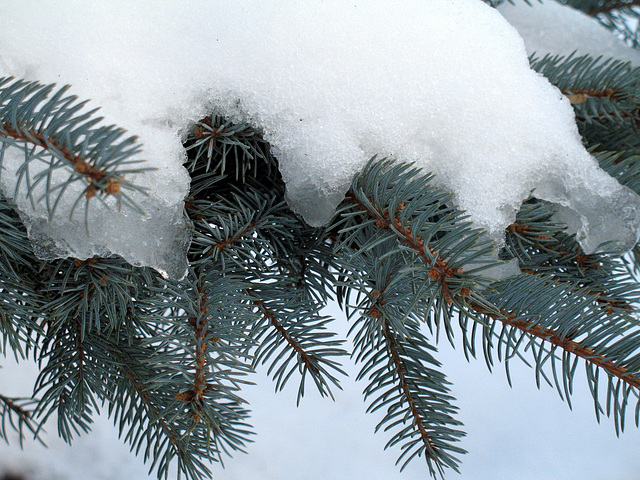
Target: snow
(550, 27)
(445, 84)
(513, 433)
(159, 239)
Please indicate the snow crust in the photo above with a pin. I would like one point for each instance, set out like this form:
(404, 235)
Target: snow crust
(551, 27)
(445, 84)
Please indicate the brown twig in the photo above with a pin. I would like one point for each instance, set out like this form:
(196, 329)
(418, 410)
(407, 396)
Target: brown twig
(439, 269)
(580, 259)
(442, 271)
(202, 341)
(80, 165)
(222, 245)
(174, 437)
(15, 407)
(404, 385)
(213, 133)
(309, 360)
(566, 343)
(199, 324)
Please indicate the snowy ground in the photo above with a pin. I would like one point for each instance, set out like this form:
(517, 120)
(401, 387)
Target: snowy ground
(519, 433)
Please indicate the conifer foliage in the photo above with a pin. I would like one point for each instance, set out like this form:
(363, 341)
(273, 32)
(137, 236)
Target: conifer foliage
(168, 359)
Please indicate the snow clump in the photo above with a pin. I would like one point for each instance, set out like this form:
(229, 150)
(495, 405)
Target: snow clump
(556, 29)
(445, 84)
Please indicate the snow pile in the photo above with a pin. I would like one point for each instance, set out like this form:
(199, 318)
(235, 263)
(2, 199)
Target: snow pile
(443, 83)
(557, 29)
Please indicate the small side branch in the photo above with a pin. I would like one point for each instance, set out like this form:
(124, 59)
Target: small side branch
(562, 257)
(565, 343)
(309, 360)
(11, 406)
(229, 241)
(54, 129)
(398, 364)
(95, 176)
(201, 343)
(211, 133)
(439, 269)
(174, 437)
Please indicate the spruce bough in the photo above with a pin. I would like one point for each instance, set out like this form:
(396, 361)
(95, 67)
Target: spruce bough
(168, 358)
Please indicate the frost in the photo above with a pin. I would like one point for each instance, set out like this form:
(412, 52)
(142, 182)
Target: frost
(445, 84)
(557, 29)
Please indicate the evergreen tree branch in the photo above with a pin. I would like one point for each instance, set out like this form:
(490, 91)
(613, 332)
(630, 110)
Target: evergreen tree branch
(542, 247)
(201, 345)
(72, 380)
(395, 349)
(574, 310)
(56, 137)
(111, 184)
(623, 165)
(245, 228)
(11, 407)
(439, 269)
(444, 272)
(299, 331)
(307, 359)
(606, 7)
(150, 428)
(225, 243)
(21, 298)
(565, 318)
(599, 89)
(604, 94)
(215, 140)
(244, 232)
(403, 380)
(15, 250)
(185, 372)
(564, 342)
(169, 358)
